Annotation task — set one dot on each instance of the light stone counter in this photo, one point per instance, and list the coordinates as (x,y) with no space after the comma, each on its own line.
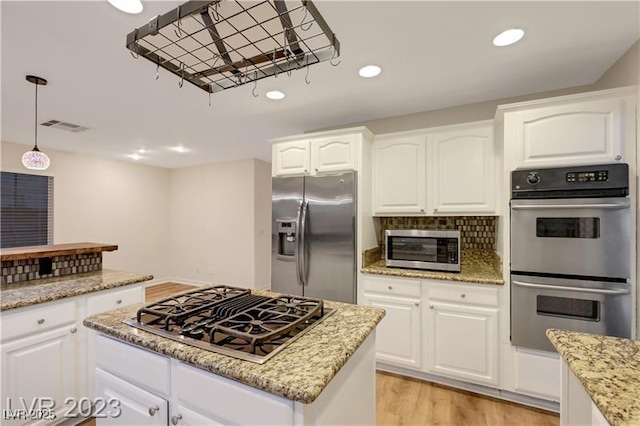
(609,370)
(300,372)
(29,293)
(477,266)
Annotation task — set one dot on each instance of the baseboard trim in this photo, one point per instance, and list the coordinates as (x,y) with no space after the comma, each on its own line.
(542,404)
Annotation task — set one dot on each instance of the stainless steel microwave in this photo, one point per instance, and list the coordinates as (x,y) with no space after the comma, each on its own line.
(420,249)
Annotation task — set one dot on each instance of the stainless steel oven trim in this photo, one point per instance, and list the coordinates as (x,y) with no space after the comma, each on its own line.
(567,288)
(448,267)
(612,206)
(422,233)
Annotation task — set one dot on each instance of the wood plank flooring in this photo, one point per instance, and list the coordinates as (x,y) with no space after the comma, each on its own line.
(405,401)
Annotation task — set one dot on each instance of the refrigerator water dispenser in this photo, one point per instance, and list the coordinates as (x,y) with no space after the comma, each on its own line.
(286,237)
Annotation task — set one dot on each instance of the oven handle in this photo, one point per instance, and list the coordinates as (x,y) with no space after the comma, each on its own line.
(576,289)
(609,206)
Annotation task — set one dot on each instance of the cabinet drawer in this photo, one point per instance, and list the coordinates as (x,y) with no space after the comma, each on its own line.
(392,286)
(37,318)
(142,367)
(113,299)
(467,294)
(217,397)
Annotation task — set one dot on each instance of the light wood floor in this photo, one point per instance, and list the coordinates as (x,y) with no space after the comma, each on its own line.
(405,401)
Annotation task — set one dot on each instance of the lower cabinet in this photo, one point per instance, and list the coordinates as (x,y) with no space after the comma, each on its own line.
(462,342)
(437,327)
(399,333)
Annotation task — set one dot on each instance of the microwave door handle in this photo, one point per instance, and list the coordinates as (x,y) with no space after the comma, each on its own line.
(298,250)
(302,255)
(608,206)
(576,289)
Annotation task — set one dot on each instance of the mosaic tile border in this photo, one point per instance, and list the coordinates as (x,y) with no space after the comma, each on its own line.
(15,271)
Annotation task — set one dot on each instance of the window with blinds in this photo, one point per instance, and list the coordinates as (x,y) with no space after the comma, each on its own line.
(26,215)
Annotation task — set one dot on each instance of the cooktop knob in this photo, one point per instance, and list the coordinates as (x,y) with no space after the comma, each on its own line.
(533,178)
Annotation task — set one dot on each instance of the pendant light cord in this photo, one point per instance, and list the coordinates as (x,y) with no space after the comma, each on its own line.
(36,115)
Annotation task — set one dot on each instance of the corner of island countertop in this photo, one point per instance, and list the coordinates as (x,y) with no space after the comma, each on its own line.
(609,370)
(299,373)
(19,295)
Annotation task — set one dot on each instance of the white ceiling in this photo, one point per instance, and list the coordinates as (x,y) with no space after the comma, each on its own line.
(433,54)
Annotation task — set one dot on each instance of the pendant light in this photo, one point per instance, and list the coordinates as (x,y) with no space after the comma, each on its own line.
(36,159)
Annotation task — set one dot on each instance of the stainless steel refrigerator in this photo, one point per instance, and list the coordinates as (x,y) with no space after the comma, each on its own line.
(313,236)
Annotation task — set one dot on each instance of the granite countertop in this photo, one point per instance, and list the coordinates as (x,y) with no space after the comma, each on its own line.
(36,252)
(29,293)
(477,266)
(299,373)
(609,370)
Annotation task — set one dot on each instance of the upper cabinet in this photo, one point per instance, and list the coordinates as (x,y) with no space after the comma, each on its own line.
(444,170)
(572,130)
(327,152)
(399,175)
(462,170)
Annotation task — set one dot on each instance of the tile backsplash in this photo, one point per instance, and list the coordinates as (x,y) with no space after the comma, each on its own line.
(476,232)
(14,271)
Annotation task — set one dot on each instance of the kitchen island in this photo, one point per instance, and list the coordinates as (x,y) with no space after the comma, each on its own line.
(325,376)
(600,378)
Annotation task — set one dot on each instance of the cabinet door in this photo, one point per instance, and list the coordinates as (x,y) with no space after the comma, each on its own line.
(398,336)
(40,366)
(127,404)
(334,154)
(573,134)
(462,342)
(399,176)
(291,158)
(182,416)
(462,170)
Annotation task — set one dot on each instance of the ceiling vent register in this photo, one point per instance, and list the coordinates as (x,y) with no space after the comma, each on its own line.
(218,45)
(63,125)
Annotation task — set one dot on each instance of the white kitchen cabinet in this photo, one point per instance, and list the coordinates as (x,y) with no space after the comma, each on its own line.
(461,340)
(291,158)
(127,404)
(41,365)
(399,334)
(576,130)
(399,175)
(334,154)
(461,165)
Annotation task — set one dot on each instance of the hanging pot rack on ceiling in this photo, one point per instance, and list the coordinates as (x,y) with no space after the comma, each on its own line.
(217,45)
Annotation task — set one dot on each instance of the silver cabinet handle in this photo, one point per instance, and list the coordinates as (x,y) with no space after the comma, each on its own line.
(73,330)
(431,306)
(119,301)
(417,303)
(463,295)
(153,410)
(609,206)
(316,169)
(567,288)
(176,419)
(306,170)
(618,157)
(390,287)
(41,321)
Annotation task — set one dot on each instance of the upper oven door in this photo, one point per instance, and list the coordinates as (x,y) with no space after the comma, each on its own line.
(580,236)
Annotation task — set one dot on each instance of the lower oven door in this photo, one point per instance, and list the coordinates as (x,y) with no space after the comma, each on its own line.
(540,303)
(582,236)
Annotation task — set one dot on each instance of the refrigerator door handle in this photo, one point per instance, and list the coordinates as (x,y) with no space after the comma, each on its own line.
(298,249)
(302,255)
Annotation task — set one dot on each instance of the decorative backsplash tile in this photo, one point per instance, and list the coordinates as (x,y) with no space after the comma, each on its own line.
(14,271)
(370,256)
(476,232)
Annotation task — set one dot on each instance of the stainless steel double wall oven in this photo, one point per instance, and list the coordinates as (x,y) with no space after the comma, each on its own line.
(570,252)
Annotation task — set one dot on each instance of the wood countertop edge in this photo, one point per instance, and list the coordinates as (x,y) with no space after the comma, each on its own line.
(37,252)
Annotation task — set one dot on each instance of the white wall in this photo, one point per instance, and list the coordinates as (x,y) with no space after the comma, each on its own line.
(106,201)
(213,235)
(625,72)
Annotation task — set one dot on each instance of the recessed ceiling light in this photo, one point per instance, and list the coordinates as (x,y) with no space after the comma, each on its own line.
(181,149)
(142,151)
(508,37)
(370,71)
(134,156)
(276,95)
(127,6)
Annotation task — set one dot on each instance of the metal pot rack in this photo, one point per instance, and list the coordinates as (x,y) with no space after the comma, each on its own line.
(221,44)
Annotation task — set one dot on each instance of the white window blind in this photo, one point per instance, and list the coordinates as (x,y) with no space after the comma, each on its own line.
(26,215)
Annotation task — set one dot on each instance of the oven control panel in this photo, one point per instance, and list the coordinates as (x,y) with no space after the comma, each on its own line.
(599,176)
